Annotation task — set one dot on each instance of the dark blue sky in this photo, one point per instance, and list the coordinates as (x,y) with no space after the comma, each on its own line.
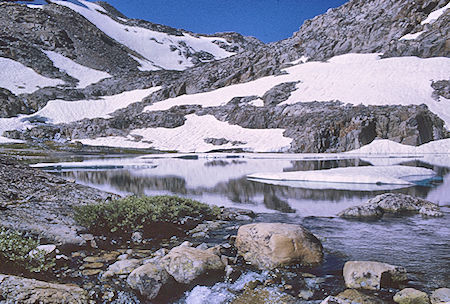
(267,20)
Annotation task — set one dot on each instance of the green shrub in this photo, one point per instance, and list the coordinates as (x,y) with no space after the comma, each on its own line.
(14,252)
(135,213)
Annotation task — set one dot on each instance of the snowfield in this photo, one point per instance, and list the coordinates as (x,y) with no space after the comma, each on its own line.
(352,78)
(61,111)
(85,75)
(161,50)
(20,79)
(389,175)
(191,137)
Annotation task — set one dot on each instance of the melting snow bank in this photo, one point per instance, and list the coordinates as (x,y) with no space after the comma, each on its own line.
(350,78)
(97,164)
(20,79)
(385,146)
(200,134)
(378,175)
(85,75)
(61,111)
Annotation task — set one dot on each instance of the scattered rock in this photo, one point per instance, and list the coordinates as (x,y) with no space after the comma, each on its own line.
(372,275)
(392,203)
(91,272)
(148,280)
(186,264)
(411,296)
(270,245)
(441,295)
(15,289)
(334,300)
(93,265)
(49,250)
(263,295)
(230,214)
(355,296)
(306,294)
(137,237)
(121,267)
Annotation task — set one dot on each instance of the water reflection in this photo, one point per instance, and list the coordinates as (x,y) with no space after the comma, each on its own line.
(223,182)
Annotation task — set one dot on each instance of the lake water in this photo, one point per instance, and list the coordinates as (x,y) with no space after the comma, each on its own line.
(419,244)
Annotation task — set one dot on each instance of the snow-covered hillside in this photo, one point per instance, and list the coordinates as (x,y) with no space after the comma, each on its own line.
(159,50)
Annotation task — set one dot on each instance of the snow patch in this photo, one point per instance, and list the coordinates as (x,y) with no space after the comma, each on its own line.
(435,15)
(61,111)
(163,50)
(191,136)
(20,79)
(85,75)
(385,146)
(412,36)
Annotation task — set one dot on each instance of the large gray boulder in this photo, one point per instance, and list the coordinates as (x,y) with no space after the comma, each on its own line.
(148,280)
(15,289)
(392,203)
(372,275)
(185,264)
(271,245)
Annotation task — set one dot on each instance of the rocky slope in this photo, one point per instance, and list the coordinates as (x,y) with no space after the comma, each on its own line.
(237,80)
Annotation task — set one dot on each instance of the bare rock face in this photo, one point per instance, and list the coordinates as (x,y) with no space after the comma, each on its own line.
(185,264)
(411,296)
(148,280)
(15,289)
(392,203)
(271,245)
(372,275)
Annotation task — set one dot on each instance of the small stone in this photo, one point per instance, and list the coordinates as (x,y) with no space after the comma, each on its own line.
(252,284)
(306,294)
(186,243)
(287,287)
(93,265)
(372,275)
(202,246)
(91,272)
(411,296)
(137,237)
(122,257)
(121,268)
(93,259)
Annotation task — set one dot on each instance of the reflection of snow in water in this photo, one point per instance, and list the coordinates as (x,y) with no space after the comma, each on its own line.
(220,179)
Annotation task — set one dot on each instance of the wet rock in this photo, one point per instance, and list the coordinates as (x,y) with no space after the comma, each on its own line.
(270,245)
(185,264)
(121,267)
(411,296)
(305,294)
(334,300)
(392,203)
(148,280)
(93,265)
(441,295)
(355,296)
(372,275)
(15,289)
(263,295)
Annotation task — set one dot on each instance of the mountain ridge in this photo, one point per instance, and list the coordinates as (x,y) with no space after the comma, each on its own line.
(254,70)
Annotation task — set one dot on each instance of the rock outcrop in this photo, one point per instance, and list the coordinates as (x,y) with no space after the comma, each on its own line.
(15,289)
(42,203)
(271,245)
(372,275)
(392,203)
(441,295)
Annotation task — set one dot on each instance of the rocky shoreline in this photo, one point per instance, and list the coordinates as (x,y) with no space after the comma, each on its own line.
(139,269)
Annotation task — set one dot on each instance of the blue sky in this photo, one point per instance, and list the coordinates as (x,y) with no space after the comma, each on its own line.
(267,20)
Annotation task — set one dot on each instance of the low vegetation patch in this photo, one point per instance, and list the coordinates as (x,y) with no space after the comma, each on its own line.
(133,213)
(15,249)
